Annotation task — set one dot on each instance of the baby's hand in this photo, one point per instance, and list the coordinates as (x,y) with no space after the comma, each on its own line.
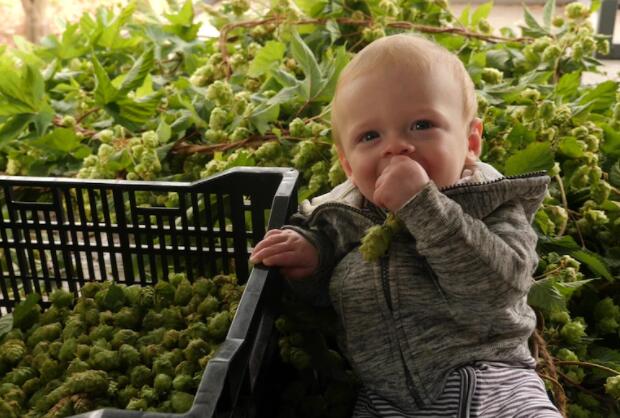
(289,250)
(399,182)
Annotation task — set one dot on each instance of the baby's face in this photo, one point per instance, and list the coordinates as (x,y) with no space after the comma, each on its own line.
(394,112)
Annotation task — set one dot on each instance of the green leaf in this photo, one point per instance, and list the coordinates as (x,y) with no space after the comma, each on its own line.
(105,92)
(545,296)
(568,84)
(530,21)
(464,17)
(163,131)
(611,144)
(289,94)
(184,17)
(312,8)
(334,67)
(284,78)
(132,114)
(594,263)
(600,98)
(264,115)
(119,160)
(6,324)
(27,312)
(267,57)
(17,95)
(13,127)
(111,35)
(135,77)
(566,289)
(537,156)
(519,136)
(595,5)
(570,147)
(308,63)
(614,174)
(334,30)
(60,139)
(481,12)
(548,13)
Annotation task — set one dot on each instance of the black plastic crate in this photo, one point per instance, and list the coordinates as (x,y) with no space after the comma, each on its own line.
(59,232)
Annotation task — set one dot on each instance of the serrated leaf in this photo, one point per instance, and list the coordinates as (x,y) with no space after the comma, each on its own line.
(6,324)
(548,13)
(16,97)
(14,126)
(611,144)
(284,78)
(568,84)
(119,160)
(312,8)
(600,98)
(288,94)
(570,147)
(594,263)
(132,114)
(563,245)
(184,17)
(614,174)
(164,133)
(530,20)
(464,17)
(481,12)
(27,312)
(264,115)
(545,296)
(566,289)
(536,156)
(334,67)
(60,139)
(141,68)
(268,56)
(334,30)
(111,36)
(105,92)
(308,63)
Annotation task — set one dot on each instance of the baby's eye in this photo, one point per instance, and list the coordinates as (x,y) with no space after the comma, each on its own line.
(420,125)
(369,136)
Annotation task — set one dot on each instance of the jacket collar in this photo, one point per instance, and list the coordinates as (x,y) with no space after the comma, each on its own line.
(480,191)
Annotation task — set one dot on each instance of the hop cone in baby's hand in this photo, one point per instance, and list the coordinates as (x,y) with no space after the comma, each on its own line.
(378,238)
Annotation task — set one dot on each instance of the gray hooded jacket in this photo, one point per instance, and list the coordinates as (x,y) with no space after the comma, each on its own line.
(451,290)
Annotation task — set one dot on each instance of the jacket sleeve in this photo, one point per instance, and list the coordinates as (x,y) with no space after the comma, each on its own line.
(315,288)
(490,259)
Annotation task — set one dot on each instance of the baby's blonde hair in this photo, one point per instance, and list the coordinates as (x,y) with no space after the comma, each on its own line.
(412,52)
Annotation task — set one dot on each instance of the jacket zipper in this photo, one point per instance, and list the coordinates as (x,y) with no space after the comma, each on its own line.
(388,299)
(497,180)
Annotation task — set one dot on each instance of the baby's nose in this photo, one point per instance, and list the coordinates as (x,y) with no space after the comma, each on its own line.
(398,146)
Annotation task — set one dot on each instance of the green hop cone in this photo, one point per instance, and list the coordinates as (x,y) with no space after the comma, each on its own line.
(492,75)
(377,239)
(576,11)
(612,386)
(375,243)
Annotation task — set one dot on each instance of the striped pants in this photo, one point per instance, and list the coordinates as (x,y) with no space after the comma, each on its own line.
(483,390)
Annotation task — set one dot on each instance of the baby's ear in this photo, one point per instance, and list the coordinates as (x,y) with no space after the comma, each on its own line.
(474,141)
(344,163)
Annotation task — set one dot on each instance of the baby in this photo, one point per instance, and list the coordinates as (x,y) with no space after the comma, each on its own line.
(439,326)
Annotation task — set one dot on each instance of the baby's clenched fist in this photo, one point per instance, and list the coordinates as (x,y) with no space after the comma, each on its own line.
(399,182)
